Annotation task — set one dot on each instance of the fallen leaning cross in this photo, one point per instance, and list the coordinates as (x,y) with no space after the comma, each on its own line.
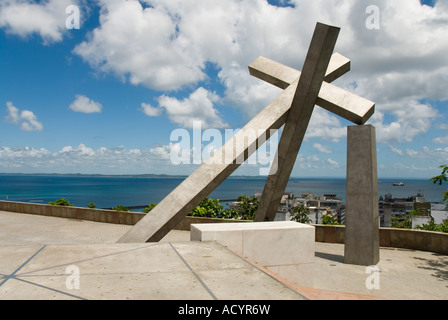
(292,108)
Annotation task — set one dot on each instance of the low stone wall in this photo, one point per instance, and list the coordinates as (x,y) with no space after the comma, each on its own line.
(391,237)
(96,215)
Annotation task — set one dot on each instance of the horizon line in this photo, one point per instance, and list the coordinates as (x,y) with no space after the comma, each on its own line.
(184,176)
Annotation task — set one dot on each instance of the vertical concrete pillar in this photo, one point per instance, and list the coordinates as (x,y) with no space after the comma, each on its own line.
(362,214)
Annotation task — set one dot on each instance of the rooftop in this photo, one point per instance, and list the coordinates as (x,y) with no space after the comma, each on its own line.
(39,254)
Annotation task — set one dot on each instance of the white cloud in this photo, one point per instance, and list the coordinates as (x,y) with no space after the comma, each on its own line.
(165,45)
(333,162)
(441,140)
(80,151)
(86,159)
(400,167)
(199,106)
(85,105)
(396,150)
(142,43)
(26,119)
(24,18)
(321,148)
(434,154)
(412,119)
(325,125)
(442,126)
(151,111)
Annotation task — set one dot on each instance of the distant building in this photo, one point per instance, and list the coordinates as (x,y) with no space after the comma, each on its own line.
(439,212)
(398,207)
(328,204)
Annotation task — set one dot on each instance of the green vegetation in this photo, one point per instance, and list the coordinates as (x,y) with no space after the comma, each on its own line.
(208,208)
(439,179)
(247,206)
(431,226)
(149,208)
(329,220)
(300,214)
(211,208)
(91,205)
(61,202)
(120,208)
(404,221)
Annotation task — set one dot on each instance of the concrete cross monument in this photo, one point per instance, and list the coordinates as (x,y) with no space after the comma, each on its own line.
(293,108)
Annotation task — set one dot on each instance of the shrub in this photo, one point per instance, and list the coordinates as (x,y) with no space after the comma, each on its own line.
(300,214)
(440,179)
(211,208)
(121,208)
(247,207)
(91,205)
(61,202)
(208,208)
(149,208)
(432,226)
(329,220)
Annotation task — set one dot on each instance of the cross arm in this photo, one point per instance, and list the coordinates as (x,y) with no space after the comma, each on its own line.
(282,76)
(334,99)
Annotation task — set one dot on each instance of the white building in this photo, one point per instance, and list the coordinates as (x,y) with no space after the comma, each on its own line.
(328,204)
(439,212)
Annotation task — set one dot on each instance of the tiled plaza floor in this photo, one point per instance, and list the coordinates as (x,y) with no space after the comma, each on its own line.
(41,258)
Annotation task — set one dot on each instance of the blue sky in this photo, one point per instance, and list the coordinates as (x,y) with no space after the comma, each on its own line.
(106,97)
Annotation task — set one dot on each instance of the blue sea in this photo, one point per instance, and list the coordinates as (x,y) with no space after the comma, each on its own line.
(109,191)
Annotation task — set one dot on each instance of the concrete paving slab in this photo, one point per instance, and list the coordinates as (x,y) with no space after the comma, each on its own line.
(29,229)
(34,266)
(154,271)
(402,274)
(14,289)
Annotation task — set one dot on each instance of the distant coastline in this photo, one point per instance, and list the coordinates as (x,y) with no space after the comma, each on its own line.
(168,176)
(106,191)
(95,175)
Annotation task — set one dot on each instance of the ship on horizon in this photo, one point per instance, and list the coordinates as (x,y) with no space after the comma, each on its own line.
(398,184)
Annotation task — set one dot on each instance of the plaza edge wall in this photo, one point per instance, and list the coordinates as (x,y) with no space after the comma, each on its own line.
(389,237)
(436,242)
(96,215)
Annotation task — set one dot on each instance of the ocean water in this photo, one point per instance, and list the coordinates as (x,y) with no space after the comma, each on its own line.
(107,192)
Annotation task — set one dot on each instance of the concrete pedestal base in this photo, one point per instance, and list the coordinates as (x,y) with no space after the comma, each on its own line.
(286,248)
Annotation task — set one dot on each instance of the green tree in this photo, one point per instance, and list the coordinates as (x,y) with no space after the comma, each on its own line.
(432,226)
(440,179)
(247,207)
(121,208)
(329,220)
(230,214)
(149,208)
(404,221)
(300,214)
(210,208)
(91,205)
(61,202)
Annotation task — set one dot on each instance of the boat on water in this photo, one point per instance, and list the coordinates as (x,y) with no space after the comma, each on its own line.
(398,184)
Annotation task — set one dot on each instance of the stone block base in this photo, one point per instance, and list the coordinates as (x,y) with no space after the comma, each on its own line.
(285,248)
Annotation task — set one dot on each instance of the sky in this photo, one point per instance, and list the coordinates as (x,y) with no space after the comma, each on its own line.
(106,92)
